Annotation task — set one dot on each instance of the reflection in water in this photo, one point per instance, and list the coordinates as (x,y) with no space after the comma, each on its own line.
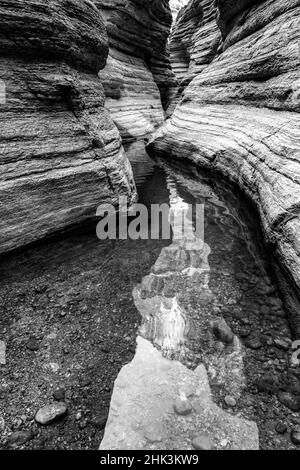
(142,408)
(182,263)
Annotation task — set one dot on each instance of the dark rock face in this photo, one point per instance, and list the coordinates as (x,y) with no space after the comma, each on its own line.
(137,78)
(60,153)
(240,113)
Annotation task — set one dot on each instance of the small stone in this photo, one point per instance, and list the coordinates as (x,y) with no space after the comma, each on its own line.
(182,406)
(19,438)
(245,332)
(253,343)
(202,443)
(275,302)
(50,413)
(295,436)
(230,401)
(86,383)
(283,343)
(290,401)
(219,346)
(222,331)
(83,424)
(281,428)
(2,353)
(100,422)
(59,394)
(267,383)
(33,344)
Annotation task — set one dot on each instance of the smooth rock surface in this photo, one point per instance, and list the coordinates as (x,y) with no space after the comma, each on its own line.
(202,443)
(142,415)
(50,413)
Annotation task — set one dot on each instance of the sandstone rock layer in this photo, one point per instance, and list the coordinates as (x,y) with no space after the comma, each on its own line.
(60,153)
(240,113)
(138,80)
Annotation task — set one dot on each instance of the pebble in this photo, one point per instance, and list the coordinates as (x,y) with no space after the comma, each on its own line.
(245,332)
(222,331)
(182,406)
(283,343)
(59,394)
(253,343)
(295,436)
(267,383)
(230,401)
(281,428)
(33,344)
(19,438)
(202,443)
(290,401)
(50,413)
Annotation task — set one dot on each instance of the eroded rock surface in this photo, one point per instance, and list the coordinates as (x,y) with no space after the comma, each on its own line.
(60,153)
(195,39)
(138,79)
(240,113)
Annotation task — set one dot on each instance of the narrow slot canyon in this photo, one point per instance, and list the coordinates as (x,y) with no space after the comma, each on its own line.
(149,341)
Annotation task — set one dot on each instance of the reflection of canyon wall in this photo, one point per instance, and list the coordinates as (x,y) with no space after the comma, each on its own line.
(137,78)
(155,400)
(61,154)
(240,113)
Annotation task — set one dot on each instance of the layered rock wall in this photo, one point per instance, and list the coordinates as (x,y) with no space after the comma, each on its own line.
(60,153)
(195,39)
(240,113)
(138,79)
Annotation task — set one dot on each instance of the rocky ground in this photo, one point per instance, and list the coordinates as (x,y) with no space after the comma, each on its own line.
(69,324)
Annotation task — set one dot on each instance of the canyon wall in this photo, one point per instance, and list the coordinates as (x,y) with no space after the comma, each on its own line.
(60,153)
(239,113)
(138,79)
(194,40)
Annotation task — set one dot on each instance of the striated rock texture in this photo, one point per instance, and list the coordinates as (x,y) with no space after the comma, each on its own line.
(60,153)
(138,79)
(195,39)
(240,113)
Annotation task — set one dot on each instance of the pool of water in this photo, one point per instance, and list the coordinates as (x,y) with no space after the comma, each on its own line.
(83,302)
